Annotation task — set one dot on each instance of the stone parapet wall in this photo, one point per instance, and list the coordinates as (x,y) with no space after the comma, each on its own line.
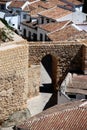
(13,79)
(67,54)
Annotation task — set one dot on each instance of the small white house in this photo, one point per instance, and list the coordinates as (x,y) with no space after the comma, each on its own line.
(29,30)
(17,14)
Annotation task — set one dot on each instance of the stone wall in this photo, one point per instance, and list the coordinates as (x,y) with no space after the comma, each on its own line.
(33,80)
(13,79)
(67,54)
(85,59)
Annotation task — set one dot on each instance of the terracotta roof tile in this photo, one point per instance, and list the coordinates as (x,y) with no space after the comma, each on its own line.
(63,34)
(55,13)
(36,11)
(17,4)
(75,2)
(70,116)
(50,27)
(28,8)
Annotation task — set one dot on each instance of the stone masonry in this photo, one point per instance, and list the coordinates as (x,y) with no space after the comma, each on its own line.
(68,55)
(13,79)
(20,70)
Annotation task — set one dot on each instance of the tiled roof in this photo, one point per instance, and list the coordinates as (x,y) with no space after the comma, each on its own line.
(75,2)
(55,13)
(17,4)
(47,4)
(80,36)
(63,34)
(70,116)
(50,27)
(78,85)
(28,8)
(36,11)
(32,0)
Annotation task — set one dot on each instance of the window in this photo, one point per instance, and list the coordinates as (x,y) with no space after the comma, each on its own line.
(46,38)
(24,32)
(86,18)
(41,37)
(29,35)
(24,16)
(72,96)
(47,20)
(42,20)
(85,96)
(18,26)
(3,7)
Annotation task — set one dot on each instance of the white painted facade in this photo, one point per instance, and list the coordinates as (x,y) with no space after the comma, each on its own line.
(76,17)
(29,31)
(83,27)
(7,4)
(78,8)
(43,32)
(2,15)
(13,21)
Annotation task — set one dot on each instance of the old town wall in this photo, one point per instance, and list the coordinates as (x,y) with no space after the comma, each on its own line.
(13,79)
(68,56)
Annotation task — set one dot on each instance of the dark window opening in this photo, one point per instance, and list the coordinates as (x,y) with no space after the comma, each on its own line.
(3,7)
(72,96)
(24,16)
(42,20)
(29,35)
(41,37)
(24,33)
(85,96)
(47,20)
(34,37)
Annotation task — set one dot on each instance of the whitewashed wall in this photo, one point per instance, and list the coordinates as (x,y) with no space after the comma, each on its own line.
(12,21)
(76,17)
(43,32)
(28,29)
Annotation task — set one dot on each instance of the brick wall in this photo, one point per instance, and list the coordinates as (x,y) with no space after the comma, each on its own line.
(13,79)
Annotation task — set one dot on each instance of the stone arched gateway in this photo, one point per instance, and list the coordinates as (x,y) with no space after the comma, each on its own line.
(48,74)
(67,54)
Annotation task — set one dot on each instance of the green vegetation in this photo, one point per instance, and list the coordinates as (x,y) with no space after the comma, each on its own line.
(5,22)
(6,34)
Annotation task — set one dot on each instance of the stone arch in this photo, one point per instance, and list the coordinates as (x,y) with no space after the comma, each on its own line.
(49,70)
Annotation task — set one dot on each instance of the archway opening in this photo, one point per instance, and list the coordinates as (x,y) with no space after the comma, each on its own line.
(48,73)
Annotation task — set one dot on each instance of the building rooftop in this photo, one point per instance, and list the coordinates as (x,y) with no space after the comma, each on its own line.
(75,2)
(78,84)
(69,116)
(17,4)
(50,27)
(46,4)
(28,8)
(55,13)
(35,12)
(63,34)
